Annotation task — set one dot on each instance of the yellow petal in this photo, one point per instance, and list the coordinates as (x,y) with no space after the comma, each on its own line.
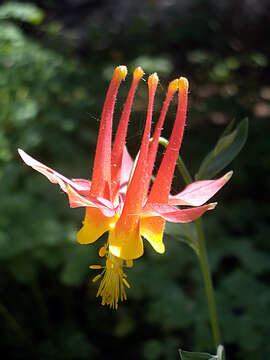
(95,224)
(126,245)
(152,228)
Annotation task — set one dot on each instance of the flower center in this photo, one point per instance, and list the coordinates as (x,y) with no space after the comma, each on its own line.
(113,279)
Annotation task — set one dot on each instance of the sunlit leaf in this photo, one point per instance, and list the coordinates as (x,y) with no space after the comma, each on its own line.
(226,149)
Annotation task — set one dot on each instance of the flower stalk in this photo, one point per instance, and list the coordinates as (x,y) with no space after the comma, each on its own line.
(201,252)
(208,283)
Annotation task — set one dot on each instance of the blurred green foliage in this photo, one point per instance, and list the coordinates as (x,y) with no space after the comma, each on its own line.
(55,62)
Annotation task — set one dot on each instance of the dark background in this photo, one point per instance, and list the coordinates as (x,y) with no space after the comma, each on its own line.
(56,59)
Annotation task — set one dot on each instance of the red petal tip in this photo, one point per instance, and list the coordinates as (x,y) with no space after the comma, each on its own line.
(138,73)
(173,86)
(153,81)
(120,72)
(183,84)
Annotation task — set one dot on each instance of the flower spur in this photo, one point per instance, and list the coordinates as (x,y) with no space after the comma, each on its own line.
(119,198)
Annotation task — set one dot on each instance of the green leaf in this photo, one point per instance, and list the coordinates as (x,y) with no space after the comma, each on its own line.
(228,128)
(226,149)
(23,12)
(187,355)
(224,143)
(183,232)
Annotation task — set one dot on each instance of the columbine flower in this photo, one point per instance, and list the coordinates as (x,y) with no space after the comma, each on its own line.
(118,199)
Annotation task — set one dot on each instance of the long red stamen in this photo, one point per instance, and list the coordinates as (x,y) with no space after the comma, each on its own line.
(165,173)
(101,178)
(120,136)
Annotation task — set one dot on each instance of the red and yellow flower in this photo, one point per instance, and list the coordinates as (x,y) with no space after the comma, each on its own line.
(119,199)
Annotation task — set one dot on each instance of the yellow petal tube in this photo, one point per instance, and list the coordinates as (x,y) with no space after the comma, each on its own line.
(152,228)
(126,244)
(95,224)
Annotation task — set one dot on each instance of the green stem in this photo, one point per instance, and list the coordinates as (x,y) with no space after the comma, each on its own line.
(202,255)
(208,284)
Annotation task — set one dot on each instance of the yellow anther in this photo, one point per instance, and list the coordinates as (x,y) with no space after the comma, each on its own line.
(109,264)
(102,251)
(120,72)
(173,86)
(125,282)
(129,263)
(153,81)
(95,267)
(96,277)
(138,73)
(183,84)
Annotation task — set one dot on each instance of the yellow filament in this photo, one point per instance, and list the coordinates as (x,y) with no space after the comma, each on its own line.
(111,287)
(109,264)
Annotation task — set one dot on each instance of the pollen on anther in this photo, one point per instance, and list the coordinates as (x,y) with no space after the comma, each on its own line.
(102,251)
(96,277)
(95,267)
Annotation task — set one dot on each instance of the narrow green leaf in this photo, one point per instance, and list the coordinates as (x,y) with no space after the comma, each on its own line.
(224,142)
(226,149)
(228,128)
(187,355)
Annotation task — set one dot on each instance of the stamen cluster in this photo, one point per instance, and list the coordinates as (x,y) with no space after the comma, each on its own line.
(113,282)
